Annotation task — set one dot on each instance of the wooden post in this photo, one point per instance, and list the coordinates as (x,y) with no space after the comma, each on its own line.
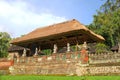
(77,47)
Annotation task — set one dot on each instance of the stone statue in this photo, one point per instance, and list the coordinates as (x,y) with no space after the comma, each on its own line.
(78,47)
(84,45)
(84,54)
(68,47)
(36,52)
(55,48)
(24,53)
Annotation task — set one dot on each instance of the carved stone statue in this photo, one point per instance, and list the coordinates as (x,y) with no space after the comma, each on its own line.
(68,47)
(55,48)
(84,45)
(84,54)
(24,53)
(36,52)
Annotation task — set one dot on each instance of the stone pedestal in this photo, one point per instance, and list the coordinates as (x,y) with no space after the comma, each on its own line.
(84,54)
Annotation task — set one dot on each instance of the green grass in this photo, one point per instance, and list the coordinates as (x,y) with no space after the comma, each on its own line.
(32,77)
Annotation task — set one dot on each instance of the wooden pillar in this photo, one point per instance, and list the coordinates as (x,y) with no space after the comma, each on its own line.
(39,50)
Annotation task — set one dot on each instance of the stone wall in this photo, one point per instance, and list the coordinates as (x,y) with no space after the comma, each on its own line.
(76,56)
(102,70)
(11,55)
(60,64)
(104,58)
(60,68)
(4,72)
(5,63)
(4,66)
(64,68)
(68,64)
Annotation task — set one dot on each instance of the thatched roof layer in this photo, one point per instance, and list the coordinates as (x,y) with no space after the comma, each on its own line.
(16,48)
(57,29)
(114,48)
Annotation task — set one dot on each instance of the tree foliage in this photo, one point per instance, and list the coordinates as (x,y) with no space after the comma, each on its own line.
(4,43)
(106,22)
(101,48)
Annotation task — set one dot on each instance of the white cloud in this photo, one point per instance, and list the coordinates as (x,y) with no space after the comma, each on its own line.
(20,18)
(5,29)
(1,28)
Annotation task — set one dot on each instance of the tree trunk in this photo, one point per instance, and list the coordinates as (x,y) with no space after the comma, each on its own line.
(112,41)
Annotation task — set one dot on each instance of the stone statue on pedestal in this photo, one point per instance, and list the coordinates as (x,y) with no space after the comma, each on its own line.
(36,52)
(84,54)
(24,53)
(55,48)
(68,47)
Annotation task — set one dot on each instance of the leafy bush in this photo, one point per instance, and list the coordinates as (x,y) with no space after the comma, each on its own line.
(100,48)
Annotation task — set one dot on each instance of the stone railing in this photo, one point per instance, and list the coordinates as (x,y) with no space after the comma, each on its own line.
(73,56)
(60,64)
(67,64)
(104,58)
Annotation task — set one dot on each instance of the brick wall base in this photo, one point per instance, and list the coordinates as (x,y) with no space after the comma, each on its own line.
(63,68)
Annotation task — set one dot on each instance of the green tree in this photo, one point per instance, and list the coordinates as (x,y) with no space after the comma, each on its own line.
(101,48)
(4,44)
(106,22)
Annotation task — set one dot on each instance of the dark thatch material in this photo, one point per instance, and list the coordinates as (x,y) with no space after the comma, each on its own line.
(115,48)
(16,48)
(64,50)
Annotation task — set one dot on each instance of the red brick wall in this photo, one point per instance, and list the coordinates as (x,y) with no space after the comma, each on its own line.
(5,64)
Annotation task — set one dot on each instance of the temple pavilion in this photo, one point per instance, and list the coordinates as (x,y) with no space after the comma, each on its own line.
(57,36)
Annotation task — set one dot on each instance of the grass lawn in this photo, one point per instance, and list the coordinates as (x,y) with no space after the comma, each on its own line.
(32,77)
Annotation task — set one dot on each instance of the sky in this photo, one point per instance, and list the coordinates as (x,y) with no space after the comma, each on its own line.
(19,17)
